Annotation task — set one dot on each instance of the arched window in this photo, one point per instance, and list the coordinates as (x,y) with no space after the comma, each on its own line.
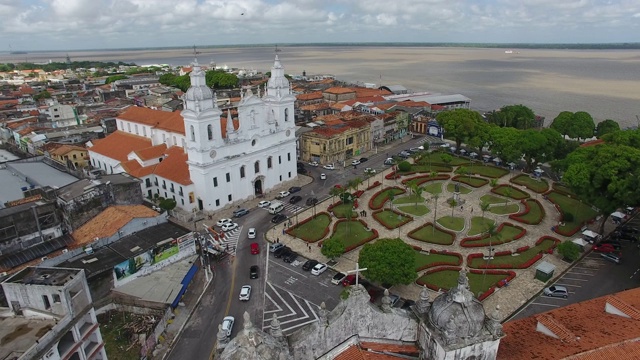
(242,172)
(193,133)
(256,167)
(286,114)
(210,132)
(269,162)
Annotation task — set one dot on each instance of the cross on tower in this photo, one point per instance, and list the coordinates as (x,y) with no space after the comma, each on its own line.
(277,50)
(357,271)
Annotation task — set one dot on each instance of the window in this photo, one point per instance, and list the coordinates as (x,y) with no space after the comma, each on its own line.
(182,201)
(279,159)
(217,202)
(286,114)
(193,133)
(229,197)
(164,137)
(128,127)
(280,177)
(269,162)
(144,131)
(256,167)
(45,300)
(136,129)
(228,177)
(74,156)
(56,298)
(289,174)
(121,125)
(209,132)
(288,156)
(242,172)
(215,182)
(175,142)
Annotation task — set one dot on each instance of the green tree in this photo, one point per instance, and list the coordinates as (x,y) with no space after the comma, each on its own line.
(484,206)
(404,166)
(114,78)
(505,143)
(492,232)
(459,124)
(515,116)
(44,94)
(581,125)
(435,210)
(453,203)
(219,79)
(167,204)
(539,145)
(389,262)
(332,248)
(334,191)
(446,158)
(606,127)
(569,250)
(481,137)
(561,122)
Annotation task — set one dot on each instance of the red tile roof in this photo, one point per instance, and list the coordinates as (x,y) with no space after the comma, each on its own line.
(582,328)
(153,152)
(353,352)
(170,121)
(316,95)
(108,222)
(592,143)
(411,103)
(623,351)
(65,149)
(378,351)
(119,144)
(360,92)
(315,107)
(174,167)
(339,90)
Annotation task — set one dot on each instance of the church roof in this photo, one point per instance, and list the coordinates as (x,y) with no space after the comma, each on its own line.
(602,328)
(174,167)
(165,120)
(119,144)
(151,152)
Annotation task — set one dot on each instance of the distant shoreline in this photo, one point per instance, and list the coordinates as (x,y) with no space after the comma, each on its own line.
(563,46)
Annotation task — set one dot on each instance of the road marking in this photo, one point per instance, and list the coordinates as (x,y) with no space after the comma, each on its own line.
(291,312)
(290,281)
(566,278)
(286,267)
(551,305)
(568,285)
(579,273)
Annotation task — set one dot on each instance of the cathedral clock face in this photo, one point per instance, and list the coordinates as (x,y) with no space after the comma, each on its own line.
(212,154)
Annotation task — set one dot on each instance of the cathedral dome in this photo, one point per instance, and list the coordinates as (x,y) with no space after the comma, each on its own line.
(199,93)
(280,82)
(457,313)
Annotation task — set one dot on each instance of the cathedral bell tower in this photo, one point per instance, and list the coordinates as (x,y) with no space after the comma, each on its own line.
(201,119)
(280,98)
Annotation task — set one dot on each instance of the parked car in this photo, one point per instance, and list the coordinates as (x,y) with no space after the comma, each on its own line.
(294,189)
(295,199)
(369,171)
(363,159)
(309,264)
(349,280)
(302,171)
(389,161)
(329,167)
(556,291)
(611,257)
(616,245)
(355,162)
(229,226)
(264,204)
(283,194)
(314,163)
(279,218)
(275,246)
(403,155)
(251,234)
(323,176)
(319,269)
(291,257)
(604,248)
(253,272)
(624,236)
(227,325)
(281,252)
(311,201)
(628,230)
(337,278)
(223,221)
(240,213)
(414,150)
(245,293)
(255,248)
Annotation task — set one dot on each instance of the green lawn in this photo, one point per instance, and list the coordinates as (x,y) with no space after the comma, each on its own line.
(419,210)
(476,182)
(479,225)
(446,279)
(342,211)
(491,199)
(433,235)
(513,193)
(487,170)
(424,259)
(391,219)
(504,209)
(463,189)
(537,185)
(425,168)
(436,157)
(408,199)
(514,261)
(313,230)
(564,188)
(383,196)
(433,188)
(508,233)
(351,233)
(452,223)
(581,211)
(534,216)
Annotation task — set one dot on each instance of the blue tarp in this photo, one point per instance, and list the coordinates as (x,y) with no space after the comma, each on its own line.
(185,284)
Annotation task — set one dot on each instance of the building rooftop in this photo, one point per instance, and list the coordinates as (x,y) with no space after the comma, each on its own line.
(119,145)
(18,334)
(43,276)
(108,222)
(73,190)
(170,121)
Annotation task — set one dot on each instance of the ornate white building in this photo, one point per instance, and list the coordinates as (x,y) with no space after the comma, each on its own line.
(202,157)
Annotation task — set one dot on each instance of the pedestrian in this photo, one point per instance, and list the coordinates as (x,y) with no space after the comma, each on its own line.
(282,231)
(472,210)
(461,208)
(277,240)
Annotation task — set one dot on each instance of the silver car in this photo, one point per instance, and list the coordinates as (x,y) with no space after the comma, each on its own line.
(556,291)
(227,325)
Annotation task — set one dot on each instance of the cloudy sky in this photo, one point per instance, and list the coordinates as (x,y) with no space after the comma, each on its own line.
(100,24)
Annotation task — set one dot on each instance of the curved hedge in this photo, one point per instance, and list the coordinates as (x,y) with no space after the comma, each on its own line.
(539,186)
(508,277)
(531,254)
(374,185)
(516,193)
(528,205)
(419,180)
(405,218)
(479,241)
(396,190)
(434,253)
(414,234)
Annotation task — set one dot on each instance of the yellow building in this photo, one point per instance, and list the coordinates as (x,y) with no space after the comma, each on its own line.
(70,156)
(337,143)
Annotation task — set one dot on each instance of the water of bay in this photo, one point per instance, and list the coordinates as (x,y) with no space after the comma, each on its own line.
(605,83)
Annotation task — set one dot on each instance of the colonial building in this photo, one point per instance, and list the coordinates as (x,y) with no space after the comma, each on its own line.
(336,143)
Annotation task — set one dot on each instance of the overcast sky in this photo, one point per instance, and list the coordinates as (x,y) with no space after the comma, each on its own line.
(99,24)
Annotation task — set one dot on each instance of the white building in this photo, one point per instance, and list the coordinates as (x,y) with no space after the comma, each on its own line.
(61,115)
(50,316)
(202,158)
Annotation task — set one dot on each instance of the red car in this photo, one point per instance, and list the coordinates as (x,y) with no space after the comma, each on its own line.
(349,280)
(604,248)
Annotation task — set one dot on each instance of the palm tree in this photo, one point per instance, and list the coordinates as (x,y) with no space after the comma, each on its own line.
(484,206)
(391,197)
(369,173)
(435,210)
(453,204)
(333,192)
(492,231)
(507,194)
(433,174)
(493,182)
(418,190)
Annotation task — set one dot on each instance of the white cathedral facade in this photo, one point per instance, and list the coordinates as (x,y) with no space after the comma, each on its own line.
(203,158)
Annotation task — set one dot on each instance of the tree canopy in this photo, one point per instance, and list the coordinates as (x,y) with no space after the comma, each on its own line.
(577,125)
(332,248)
(538,145)
(515,116)
(389,261)
(113,78)
(216,79)
(459,124)
(606,127)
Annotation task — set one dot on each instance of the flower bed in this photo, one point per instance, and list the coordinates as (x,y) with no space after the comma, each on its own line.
(536,185)
(563,202)
(516,193)
(389,218)
(308,231)
(485,170)
(378,199)
(532,214)
(505,259)
(392,175)
(419,180)
(446,278)
(483,240)
(435,258)
(354,238)
(429,234)
(374,185)
(472,181)
(358,193)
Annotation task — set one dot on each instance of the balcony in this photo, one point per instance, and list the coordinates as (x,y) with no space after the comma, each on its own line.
(172,190)
(164,186)
(180,193)
(155,183)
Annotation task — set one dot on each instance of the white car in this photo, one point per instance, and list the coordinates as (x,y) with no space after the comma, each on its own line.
(264,204)
(369,171)
(355,162)
(314,163)
(229,226)
(283,194)
(323,176)
(227,324)
(252,233)
(319,269)
(223,221)
(329,167)
(245,293)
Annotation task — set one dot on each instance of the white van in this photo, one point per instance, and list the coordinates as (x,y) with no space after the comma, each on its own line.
(276,207)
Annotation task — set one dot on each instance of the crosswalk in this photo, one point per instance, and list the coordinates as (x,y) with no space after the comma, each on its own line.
(230,240)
